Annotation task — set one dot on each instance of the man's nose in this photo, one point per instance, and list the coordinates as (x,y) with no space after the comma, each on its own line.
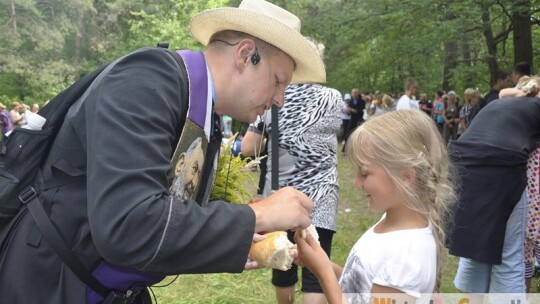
(279,100)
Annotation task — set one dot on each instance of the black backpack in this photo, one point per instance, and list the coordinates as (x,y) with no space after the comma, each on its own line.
(21,155)
(24,150)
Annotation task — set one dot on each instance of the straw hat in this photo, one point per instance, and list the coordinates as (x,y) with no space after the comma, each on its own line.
(267,22)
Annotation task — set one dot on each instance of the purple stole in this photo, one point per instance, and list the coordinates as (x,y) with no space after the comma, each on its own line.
(194,139)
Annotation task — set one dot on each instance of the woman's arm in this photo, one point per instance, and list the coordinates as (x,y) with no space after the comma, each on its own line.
(511,92)
(251,143)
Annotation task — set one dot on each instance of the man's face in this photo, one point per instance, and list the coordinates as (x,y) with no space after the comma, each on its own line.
(503,83)
(515,77)
(264,85)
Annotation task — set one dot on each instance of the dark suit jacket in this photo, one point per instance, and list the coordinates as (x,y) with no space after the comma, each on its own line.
(491,158)
(121,134)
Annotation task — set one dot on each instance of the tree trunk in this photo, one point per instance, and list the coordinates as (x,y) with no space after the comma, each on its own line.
(78,39)
(450,52)
(466,54)
(522,33)
(450,63)
(490,42)
(22,87)
(12,17)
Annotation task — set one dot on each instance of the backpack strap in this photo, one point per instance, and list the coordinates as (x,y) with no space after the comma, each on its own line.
(29,197)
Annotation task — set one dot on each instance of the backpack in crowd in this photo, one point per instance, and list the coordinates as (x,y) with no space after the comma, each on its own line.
(24,150)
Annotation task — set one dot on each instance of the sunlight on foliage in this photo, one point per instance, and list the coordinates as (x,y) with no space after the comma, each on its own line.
(232,179)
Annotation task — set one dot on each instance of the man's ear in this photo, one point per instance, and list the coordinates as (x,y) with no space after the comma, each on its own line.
(409,176)
(243,52)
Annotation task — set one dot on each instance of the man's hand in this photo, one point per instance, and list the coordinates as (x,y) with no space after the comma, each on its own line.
(285,209)
(251,264)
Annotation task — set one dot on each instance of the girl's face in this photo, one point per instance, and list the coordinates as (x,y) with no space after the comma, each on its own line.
(380,191)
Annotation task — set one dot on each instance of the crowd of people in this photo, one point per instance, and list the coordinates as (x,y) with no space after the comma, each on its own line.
(451,112)
(133,163)
(16,117)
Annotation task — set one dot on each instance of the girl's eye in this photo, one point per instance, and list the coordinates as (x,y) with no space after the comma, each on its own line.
(363,172)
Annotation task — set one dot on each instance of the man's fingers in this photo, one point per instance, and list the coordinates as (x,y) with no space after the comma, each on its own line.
(258,237)
(250,265)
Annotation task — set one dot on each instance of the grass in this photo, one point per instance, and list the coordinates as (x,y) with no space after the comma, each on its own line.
(255,287)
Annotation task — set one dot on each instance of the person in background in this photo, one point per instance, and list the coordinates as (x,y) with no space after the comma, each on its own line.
(530,86)
(5,120)
(367,98)
(389,104)
(488,230)
(345,116)
(470,108)
(402,255)
(406,101)
(437,110)
(425,104)
(499,82)
(519,70)
(15,115)
(35,108)
(377,107)
(356,108)
(451,112)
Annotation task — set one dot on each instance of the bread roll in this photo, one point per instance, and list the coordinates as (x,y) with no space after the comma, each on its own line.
(273,251)
(311,230)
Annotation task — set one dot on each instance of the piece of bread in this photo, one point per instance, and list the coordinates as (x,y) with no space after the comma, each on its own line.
(273,251)
(311,230)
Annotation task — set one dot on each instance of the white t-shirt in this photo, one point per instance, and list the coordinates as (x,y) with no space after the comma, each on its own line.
(405,103)
(405,260)
(344,106)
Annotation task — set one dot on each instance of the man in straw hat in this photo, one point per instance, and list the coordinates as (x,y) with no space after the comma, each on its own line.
(118,214)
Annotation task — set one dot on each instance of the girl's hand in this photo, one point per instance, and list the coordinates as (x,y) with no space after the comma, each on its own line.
(311,255)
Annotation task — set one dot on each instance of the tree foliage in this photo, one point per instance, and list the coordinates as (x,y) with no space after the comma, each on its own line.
(370,44)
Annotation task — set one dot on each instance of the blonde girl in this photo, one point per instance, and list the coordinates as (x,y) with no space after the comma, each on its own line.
(404,173)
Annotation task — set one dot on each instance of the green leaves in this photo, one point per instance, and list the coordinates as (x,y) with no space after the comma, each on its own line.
(233,182)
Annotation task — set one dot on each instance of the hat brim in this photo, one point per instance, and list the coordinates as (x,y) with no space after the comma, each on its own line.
(309,65)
